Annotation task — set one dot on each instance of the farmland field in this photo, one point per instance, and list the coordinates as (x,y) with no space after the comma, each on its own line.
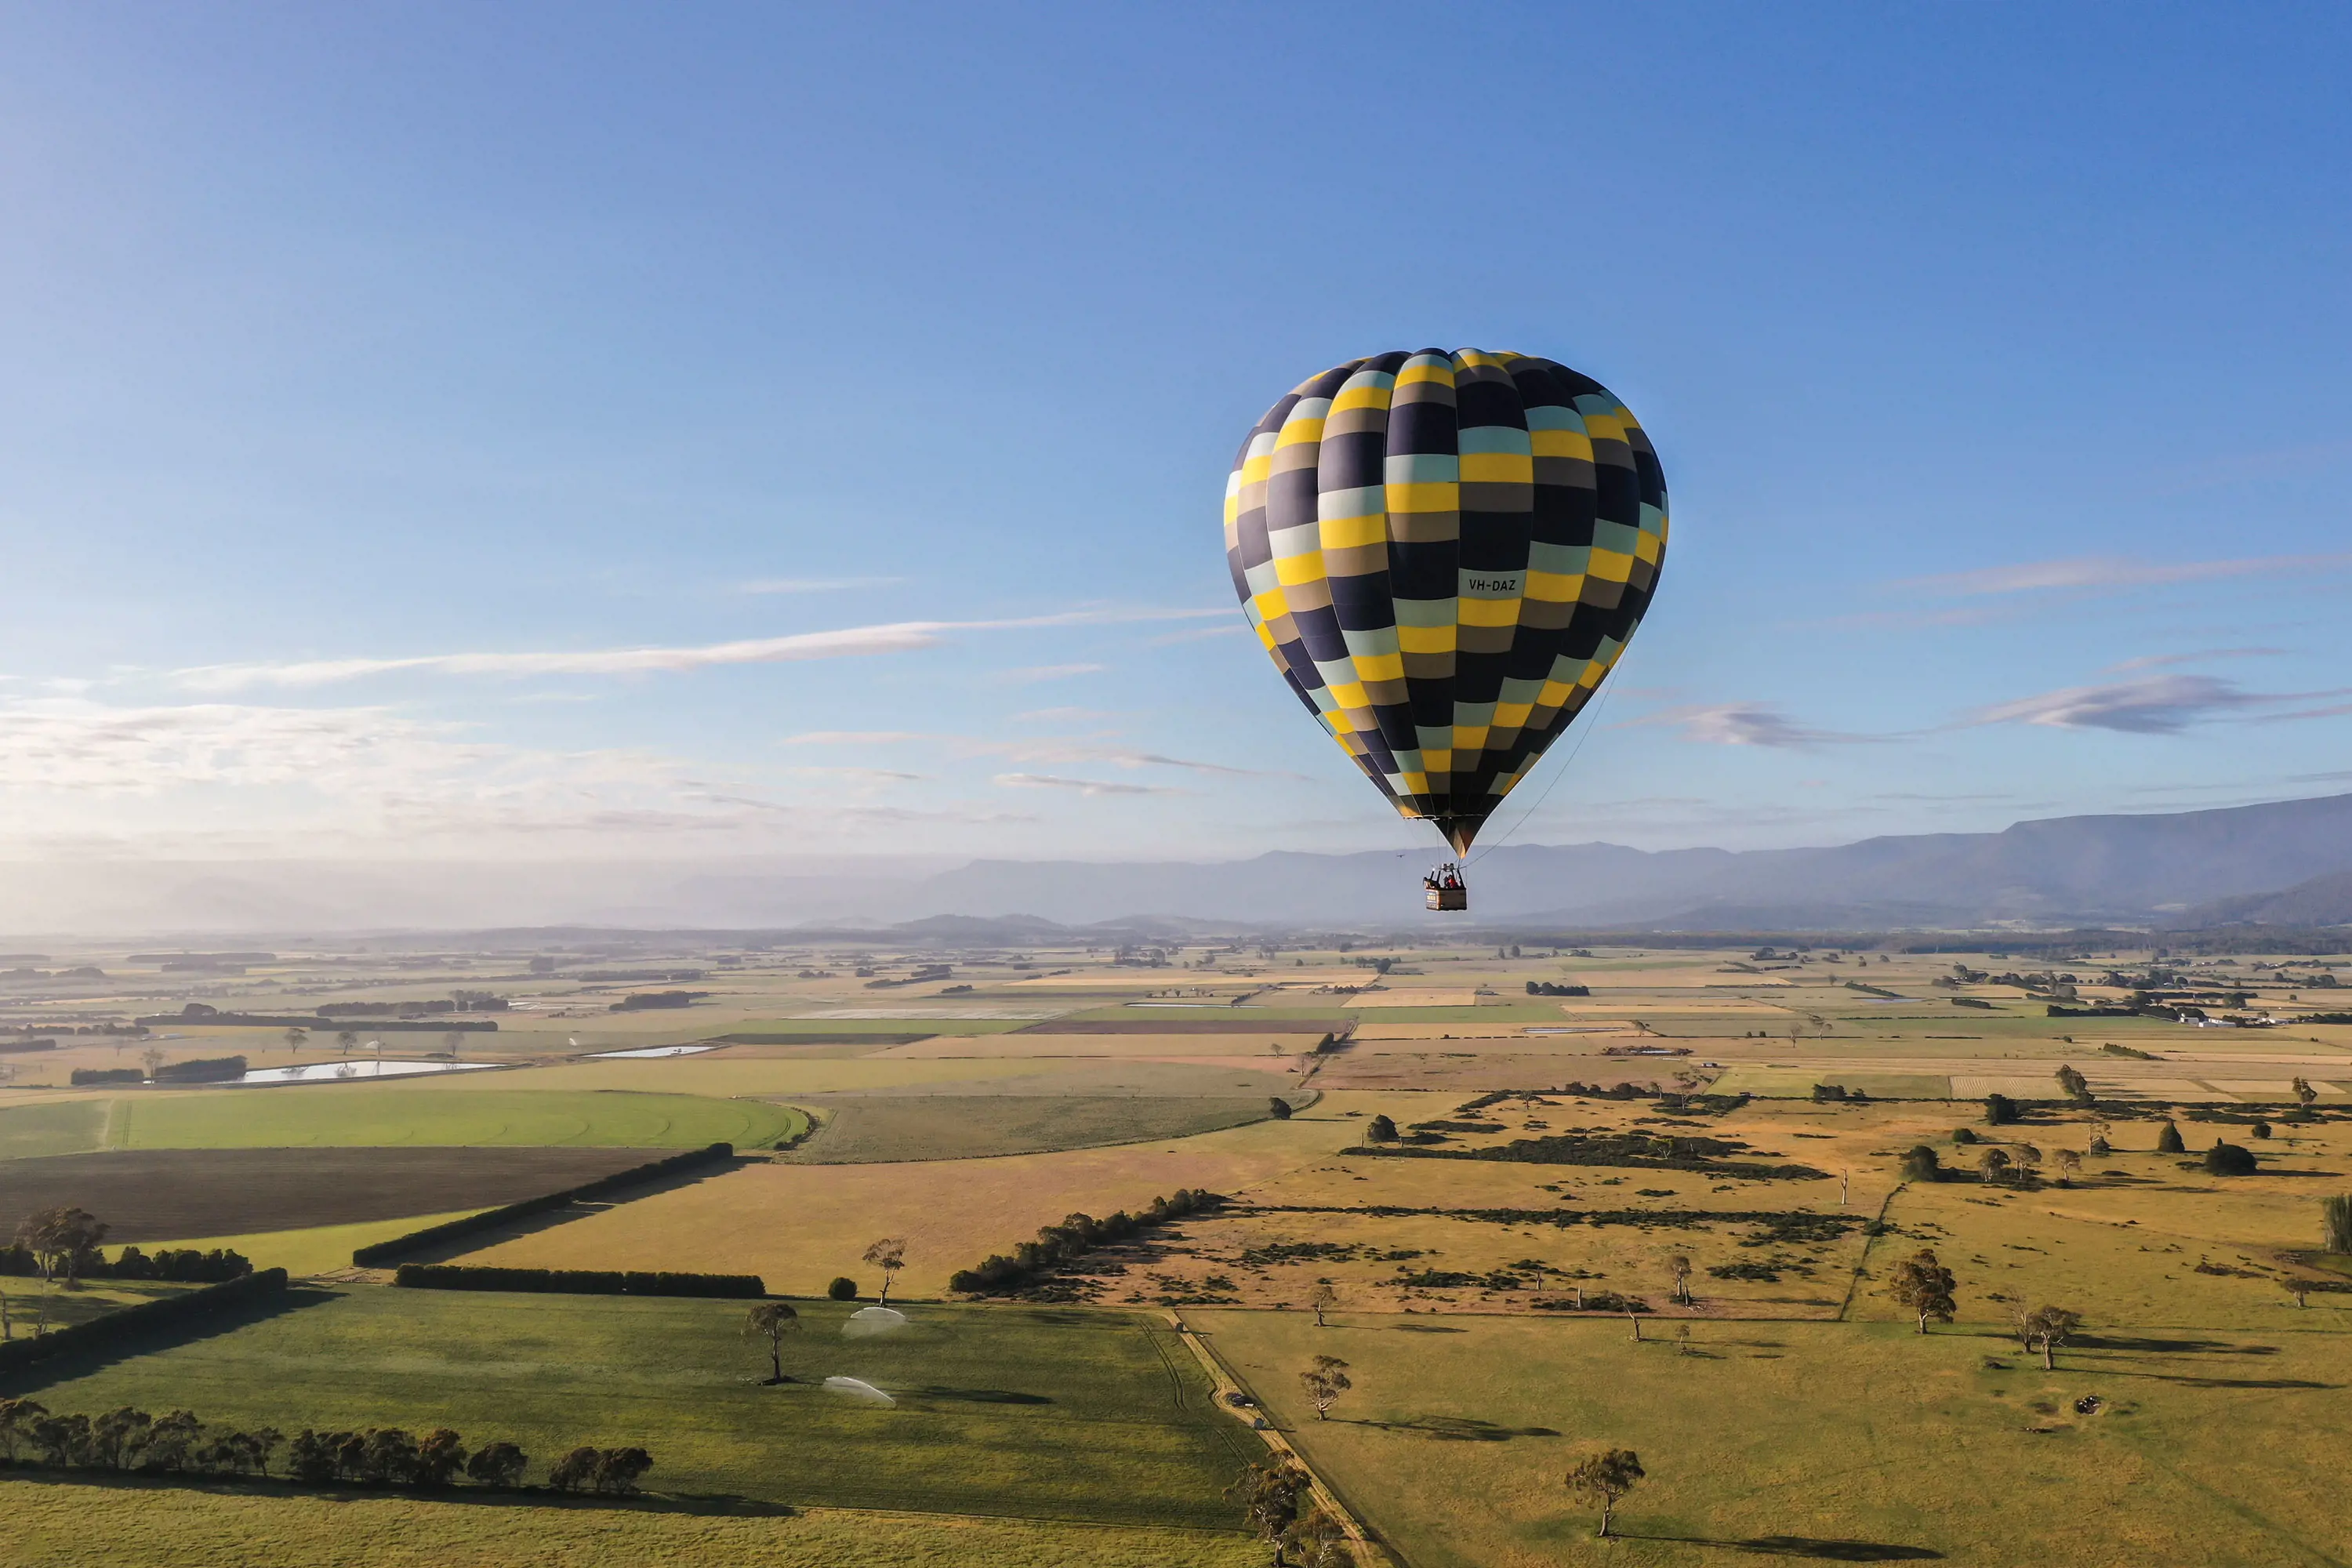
(957,1127)
(364,1115)
(797,1226)
(1082,1416)
(1822,1441)
(158,1195)
(53,1521)
(62,1127)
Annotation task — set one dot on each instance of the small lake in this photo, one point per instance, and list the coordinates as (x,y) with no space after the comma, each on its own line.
(350,1071)
(652,1051)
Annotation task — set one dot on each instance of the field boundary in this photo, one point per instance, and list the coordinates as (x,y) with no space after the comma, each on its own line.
(100,1331)
(1376,1549)
(382,1252)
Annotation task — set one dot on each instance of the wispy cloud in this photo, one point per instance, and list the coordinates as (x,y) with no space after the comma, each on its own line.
(852,737)
(1061,716)
(1029,675)
(900,636)
(1199,634)
(2110,573)
(813,584)
(2154,705)
(1748,724)
(2202,656)
(1083,786)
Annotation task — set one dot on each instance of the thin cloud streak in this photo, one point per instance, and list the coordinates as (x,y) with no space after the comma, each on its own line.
(1748,724)
(1083,786)
(2112,574)
(2154,705)
(900,636)
(814,584)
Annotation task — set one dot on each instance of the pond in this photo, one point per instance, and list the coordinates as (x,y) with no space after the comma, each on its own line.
(653,1051)
(349,1070)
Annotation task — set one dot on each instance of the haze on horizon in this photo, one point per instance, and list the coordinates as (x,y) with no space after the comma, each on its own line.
(528,436)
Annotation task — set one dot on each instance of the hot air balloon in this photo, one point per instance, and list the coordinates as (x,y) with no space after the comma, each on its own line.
(1445,554)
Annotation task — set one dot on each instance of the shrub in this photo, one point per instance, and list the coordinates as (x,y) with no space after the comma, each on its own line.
(2335,1221)
(1920,1164)
(1279,1107)
(2229,1160)
(2261,1128)
(2000,1110)
(1381,1130)
(843,1288)
(1964,1135)
(2169,1140)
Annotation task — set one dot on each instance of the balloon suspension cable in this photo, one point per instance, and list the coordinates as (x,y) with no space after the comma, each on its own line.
(1487,849)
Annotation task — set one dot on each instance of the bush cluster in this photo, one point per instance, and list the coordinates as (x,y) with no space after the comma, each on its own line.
(202,1070)
(84,1077)
(1070,1240)
(181,1265)
(575,1281)
(1548,988)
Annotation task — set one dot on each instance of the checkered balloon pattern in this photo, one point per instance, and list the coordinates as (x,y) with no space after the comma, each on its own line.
(1445,554)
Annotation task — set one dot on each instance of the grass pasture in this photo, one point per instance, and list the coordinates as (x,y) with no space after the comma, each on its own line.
(1079,1416)
(1829,1442)
(146,1195)
(56,1127)
(367,1115)
(58,1522)
(959,1127)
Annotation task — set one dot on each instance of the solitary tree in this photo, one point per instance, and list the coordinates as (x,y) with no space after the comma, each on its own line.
(345,1041)
(1382,1131)
(1325,1382)
(152,1060)
(1925,1286)
(2076,1087)
(2336,1222)
(61,1238)
(1993,1164)
(888,1255)
(2000,1110)
(1920,1164)
(2049,1327)
(297,1037)
(1605,1478)
(1681,1268)
(2169,1140)
(2069,1165)
(1323,1298)
(1277,1108)
(771,1320)
(2304,1093)
(454,1042)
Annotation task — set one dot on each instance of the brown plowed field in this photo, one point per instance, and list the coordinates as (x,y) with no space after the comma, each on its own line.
(165,1195)
(1285,1026)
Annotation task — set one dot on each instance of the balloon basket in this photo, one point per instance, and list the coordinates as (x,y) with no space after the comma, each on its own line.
(1449,897)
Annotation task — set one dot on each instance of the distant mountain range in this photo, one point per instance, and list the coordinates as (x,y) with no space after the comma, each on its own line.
(2288,863)
(2182,870)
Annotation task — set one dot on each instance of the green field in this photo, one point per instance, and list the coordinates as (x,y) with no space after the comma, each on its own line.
(63,1127)
(962,1127)
(1071,1415)
(55,1521)
(1839,1442)
(366,1116)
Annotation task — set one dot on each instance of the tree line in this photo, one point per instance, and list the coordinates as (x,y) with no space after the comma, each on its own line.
(1079,1234)
(177,1444)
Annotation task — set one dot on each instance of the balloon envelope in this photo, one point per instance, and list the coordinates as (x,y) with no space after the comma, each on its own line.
(1445,554)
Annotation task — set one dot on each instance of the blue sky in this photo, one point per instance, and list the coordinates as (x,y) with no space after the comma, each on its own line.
(536,431)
